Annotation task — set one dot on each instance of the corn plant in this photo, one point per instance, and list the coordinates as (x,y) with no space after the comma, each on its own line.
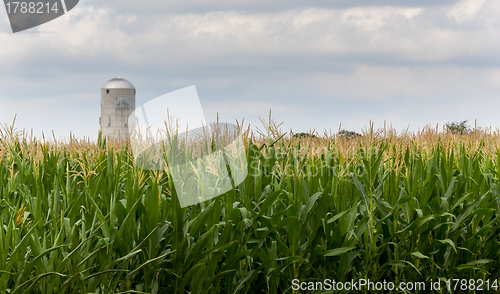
(82,217)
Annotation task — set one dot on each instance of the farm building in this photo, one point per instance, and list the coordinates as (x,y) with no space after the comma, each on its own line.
(117,103)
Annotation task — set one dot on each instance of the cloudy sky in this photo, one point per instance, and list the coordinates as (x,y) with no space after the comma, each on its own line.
(316,64)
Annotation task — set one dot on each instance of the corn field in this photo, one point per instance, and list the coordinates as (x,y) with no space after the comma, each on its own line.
(81,217)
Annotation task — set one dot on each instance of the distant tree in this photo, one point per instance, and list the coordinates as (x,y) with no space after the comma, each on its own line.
(348,134)
(304,135)
(458,127)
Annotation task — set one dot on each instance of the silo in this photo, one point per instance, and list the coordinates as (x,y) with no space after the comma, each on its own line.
(117,103)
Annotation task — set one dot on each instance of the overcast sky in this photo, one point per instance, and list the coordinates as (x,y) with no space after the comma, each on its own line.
(316,64)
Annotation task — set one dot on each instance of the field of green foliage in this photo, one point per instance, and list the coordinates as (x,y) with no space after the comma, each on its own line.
(80,217)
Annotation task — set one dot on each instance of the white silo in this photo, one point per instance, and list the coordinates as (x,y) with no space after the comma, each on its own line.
(117,103)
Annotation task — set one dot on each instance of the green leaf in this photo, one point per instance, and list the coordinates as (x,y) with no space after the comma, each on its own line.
(419,255)
(338,251)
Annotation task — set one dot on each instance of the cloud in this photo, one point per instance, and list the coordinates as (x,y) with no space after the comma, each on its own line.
(314,66)
(159,7)
(361,33)
(465,9)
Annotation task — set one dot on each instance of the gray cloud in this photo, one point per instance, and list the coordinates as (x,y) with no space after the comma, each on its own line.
(316,66)
(254,6)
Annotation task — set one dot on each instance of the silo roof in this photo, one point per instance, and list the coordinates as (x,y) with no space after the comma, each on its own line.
(118,83)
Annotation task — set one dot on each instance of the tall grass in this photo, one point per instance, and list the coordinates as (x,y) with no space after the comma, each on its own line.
(80,217)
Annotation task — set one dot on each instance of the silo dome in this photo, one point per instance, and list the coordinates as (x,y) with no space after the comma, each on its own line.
(118,83)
